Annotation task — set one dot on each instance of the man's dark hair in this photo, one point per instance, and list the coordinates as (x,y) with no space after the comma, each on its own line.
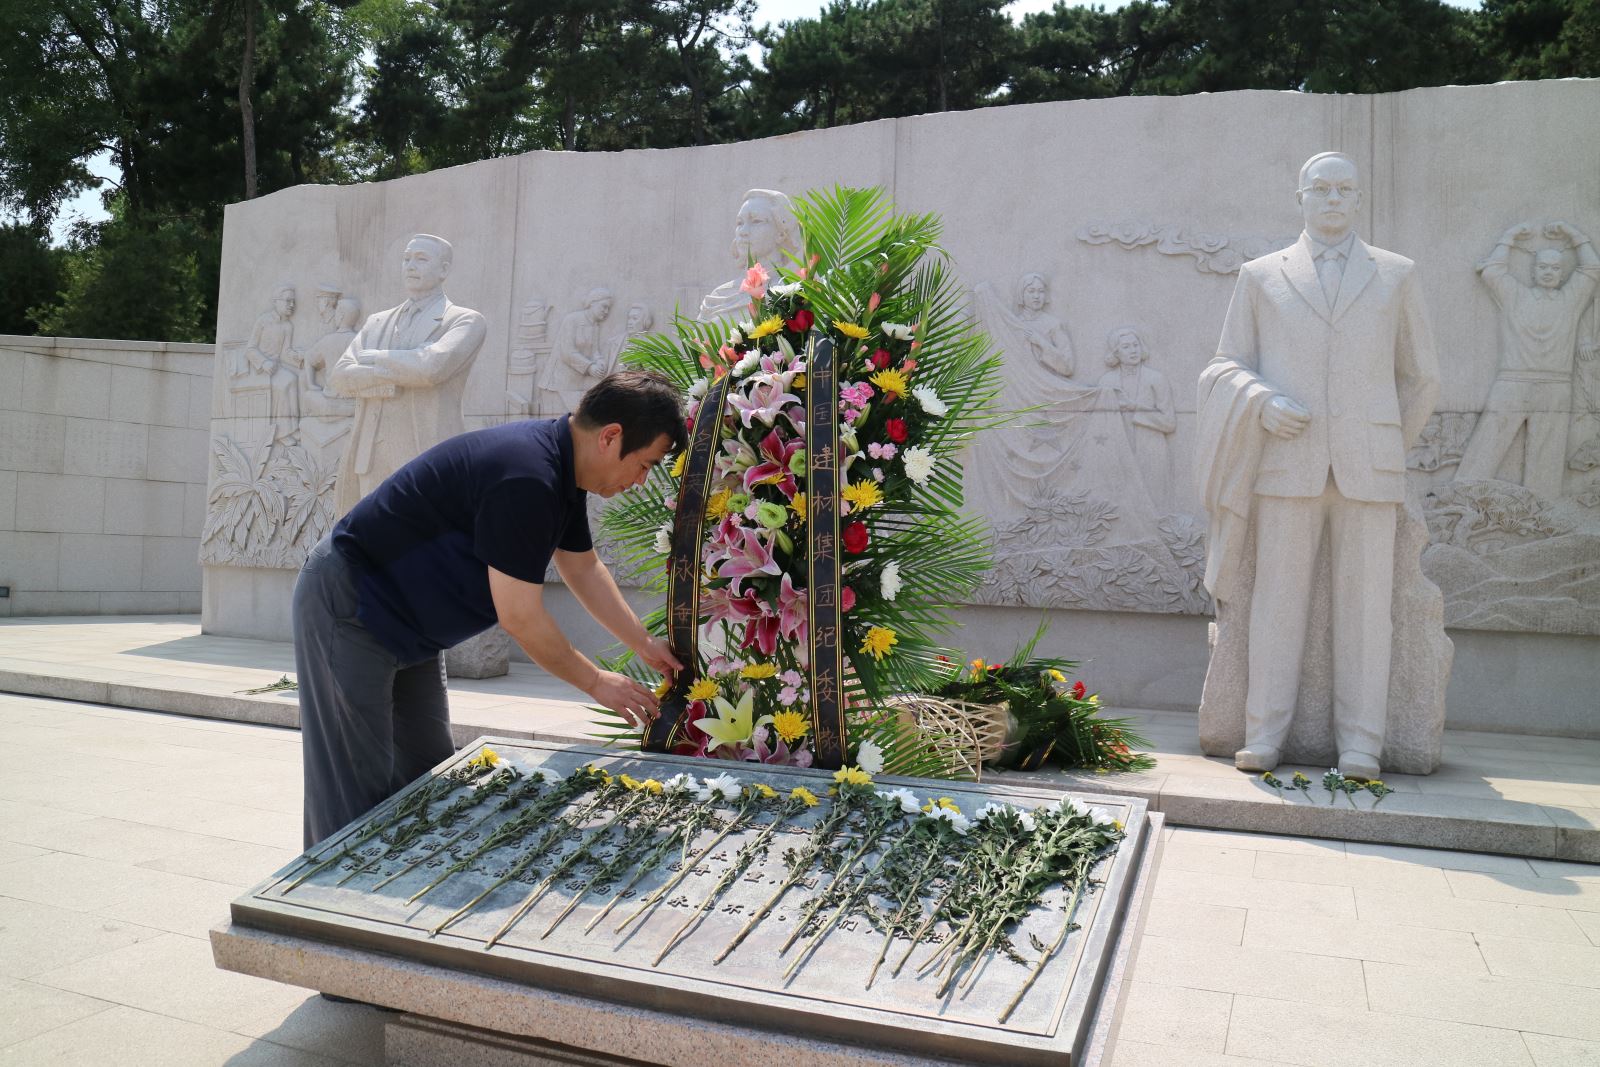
(642,402)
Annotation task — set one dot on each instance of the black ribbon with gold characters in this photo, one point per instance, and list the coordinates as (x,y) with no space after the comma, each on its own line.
(823,565)
(683,567)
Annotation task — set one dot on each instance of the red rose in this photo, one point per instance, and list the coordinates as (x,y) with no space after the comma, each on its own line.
(1079,690)
(896,429)
(881,359)
(847,599)
(855,538)
(800,321)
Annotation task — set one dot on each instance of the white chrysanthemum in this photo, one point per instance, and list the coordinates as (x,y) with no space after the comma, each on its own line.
(929,400)
(869,757)
(751,360)
(1072,808)
(723,786)
(897,331)
(788,289)
(889,580)
(698,389)
(663,543)
(993,811)
(1026,819)
(1102,819)
(904,797)
(742,327)
(681,783)
(958,822)
(919,464)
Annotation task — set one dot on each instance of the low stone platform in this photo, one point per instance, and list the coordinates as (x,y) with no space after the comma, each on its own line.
(481,986)
(1513,794)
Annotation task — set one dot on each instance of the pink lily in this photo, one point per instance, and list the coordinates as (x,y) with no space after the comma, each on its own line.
(792,613)
(762,632)
(776,453)
(750,557)
(724,606)
(777,753)
(768,395)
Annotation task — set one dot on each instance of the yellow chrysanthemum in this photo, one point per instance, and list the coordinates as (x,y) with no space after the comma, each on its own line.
(805,796)
(948,805)
(717,506)
(799,381)
(485,759)
(628,781)
(852,776)
(798,505)
(1056,676)
(850,329)
(664,688)
(703,689)
(791,726)
(879,640)
(650,785)
(757,670)
(766,791)
(863,494)
(677,464)
(890,381)
(768,327)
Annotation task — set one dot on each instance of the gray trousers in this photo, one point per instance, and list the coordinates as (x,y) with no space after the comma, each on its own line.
(368,726)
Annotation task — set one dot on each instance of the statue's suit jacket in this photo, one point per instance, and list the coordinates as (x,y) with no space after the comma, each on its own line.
(409,395)
(1365,368)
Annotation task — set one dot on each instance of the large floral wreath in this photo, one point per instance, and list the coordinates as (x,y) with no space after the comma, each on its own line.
(915,381)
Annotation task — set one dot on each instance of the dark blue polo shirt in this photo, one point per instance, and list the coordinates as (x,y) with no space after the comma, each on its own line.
(422,542)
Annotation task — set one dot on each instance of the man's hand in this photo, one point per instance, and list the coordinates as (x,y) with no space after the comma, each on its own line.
(657,655)
(1282,417)
(624,696)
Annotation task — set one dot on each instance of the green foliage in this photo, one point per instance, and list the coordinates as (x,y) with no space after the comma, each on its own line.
(30,274)
(137,278)
(1056,723)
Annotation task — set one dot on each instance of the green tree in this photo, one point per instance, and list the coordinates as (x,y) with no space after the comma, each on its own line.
(30,274)
(1543,38)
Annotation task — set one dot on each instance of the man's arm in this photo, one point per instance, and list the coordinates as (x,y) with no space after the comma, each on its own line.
(520,608)
(592,584)
(1416,362)
(1239,349)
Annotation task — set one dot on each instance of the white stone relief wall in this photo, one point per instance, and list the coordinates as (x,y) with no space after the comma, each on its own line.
(1121,212)
(102,475)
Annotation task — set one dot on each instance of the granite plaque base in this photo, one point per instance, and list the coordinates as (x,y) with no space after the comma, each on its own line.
(552,993)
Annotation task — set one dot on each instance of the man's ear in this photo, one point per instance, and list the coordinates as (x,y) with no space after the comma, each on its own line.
(609,433)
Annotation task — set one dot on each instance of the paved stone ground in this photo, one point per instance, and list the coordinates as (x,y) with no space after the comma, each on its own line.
(125,834)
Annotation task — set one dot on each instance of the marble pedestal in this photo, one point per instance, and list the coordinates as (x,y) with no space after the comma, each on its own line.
(597,999)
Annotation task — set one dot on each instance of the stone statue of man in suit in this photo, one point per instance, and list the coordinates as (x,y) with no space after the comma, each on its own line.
(1324,375)
(406,369)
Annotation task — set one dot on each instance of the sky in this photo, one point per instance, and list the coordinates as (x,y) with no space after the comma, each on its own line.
(87,204)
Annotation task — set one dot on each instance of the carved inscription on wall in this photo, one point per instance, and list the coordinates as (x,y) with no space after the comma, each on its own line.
(1213,253)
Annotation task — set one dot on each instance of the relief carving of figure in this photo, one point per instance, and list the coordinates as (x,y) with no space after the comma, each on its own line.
(1069,501)
(270,353)
(765,232)
(1144,396)
(639,322)
(407,369)
(579,356)
(344,317)
(1289,450)
(1538,339)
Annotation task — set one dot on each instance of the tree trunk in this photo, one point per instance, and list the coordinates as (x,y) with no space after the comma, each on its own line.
(247,112)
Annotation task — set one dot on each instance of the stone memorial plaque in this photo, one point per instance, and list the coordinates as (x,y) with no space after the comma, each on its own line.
(360,903)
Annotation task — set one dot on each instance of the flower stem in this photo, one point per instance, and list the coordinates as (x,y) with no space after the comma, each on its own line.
(1081,875)
(523,792)
(570,860)
(741,863)
(915,895)
(869,841)
(844,904)
(739,819)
